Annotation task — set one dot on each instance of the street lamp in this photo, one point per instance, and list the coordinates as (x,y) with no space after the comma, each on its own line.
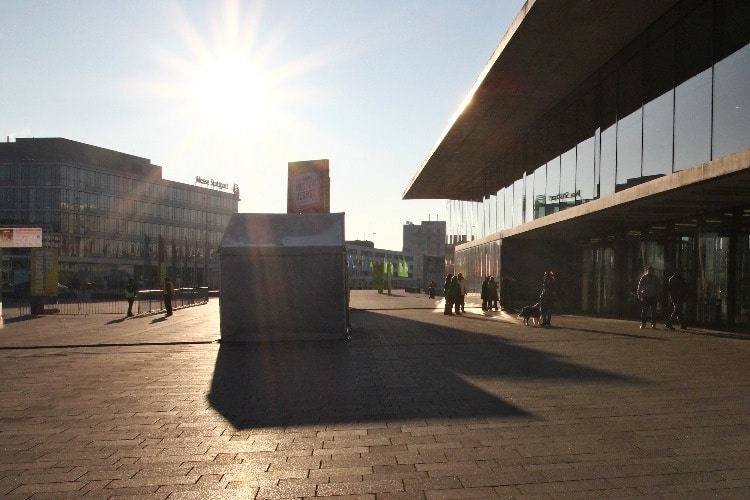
(205,248)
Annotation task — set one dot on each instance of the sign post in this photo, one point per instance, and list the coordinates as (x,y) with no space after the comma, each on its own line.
(23,237)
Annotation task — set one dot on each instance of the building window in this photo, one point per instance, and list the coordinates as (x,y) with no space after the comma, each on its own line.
(732,103)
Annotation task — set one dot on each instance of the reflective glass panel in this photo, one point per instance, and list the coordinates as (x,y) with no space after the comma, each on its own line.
(553,186)
(732,104)
(585,171)
(567,194)
(629,135)
(540,185)
(501,210)
(692,122)
(608,161)
(508,191)
(528,214)
(657,135)
(518,195)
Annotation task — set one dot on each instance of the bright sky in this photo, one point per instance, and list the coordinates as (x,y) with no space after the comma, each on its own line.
(234,90)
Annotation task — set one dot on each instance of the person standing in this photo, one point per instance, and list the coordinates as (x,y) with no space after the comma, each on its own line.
(494,298)
(454,290)
(168,292)
(677,290)
(432,287)
(648,289)
(462,295)
(546,298)
(130,291)
(486,294)
(447,294)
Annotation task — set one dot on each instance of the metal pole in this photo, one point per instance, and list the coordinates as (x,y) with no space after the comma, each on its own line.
(205,250)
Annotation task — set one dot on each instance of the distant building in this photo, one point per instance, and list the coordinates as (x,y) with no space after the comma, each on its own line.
(110,215)
(367,265)
(426,240)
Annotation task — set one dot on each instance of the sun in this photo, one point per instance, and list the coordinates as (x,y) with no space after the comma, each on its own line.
(233,94)
(218,78)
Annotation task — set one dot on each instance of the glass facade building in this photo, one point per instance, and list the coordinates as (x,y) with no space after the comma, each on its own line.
(110,215)
(671,106)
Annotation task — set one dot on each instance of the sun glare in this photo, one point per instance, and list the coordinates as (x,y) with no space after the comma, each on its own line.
(223,81)
(233,95)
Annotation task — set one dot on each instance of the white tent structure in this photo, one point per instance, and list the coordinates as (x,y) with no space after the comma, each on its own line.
(283,277)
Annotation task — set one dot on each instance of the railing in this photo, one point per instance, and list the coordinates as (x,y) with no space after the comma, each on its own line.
(92,302)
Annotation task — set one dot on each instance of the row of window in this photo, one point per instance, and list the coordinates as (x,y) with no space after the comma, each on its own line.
(92,182)
(705,117)
(85,206)
(175,252)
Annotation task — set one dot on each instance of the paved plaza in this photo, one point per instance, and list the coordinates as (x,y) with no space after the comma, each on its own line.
(416,405)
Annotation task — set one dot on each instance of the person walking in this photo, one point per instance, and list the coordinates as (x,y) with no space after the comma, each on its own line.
(130,291)
(648,289)
(168,292)
(677,289)
(547,297)
(462,295)
(432,287)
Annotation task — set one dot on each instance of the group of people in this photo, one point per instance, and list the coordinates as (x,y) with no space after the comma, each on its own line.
(131,290)
(454,290)
(648,292)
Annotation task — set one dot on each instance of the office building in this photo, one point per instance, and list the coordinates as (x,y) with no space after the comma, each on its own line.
(601,138)
(111,215)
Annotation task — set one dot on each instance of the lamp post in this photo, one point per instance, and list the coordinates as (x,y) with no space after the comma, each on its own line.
(205,249)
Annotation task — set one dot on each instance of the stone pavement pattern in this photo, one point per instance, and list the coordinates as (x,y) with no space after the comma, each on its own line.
(415,405)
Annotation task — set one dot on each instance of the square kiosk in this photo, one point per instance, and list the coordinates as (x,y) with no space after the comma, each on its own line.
(283,277)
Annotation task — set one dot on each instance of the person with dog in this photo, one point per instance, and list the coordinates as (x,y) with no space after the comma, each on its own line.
(647,292)
(677,290)
(547,297)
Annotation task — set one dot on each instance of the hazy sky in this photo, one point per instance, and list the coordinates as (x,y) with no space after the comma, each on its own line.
(234,90)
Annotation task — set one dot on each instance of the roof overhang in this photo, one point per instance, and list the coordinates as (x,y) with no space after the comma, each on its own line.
(550,49)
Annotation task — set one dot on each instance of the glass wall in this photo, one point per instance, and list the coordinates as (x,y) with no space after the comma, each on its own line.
(675,98)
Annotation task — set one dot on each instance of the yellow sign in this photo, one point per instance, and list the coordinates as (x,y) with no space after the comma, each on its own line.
(44,271)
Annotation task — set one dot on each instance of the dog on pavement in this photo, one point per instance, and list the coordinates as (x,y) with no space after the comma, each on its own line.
(531,313)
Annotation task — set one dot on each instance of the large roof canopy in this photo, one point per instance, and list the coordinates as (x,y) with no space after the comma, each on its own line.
(550,49)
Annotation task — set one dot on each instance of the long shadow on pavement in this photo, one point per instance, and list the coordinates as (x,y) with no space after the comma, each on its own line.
(393,368)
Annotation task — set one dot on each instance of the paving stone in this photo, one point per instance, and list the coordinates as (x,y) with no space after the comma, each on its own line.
(417,405)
